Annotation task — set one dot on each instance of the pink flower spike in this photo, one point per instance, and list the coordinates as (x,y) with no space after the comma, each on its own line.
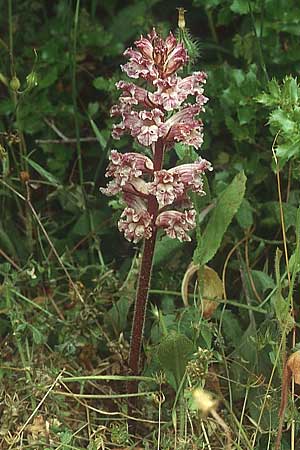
(176,224)
(136,223)
(166,187)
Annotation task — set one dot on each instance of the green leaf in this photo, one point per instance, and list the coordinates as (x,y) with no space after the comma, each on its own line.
(48,79)
(262,280)
(182,151)
(288,150)
(102,84)
(6,243)
(43,172)
(227,205)
(244,216)
(117,315)
(240,6)
(164,249)
(280,119)
(102,141)
(174,353)
(231,328)
(283,313)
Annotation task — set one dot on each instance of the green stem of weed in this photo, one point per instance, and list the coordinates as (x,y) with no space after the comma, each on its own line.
(213,30)
(77,135)
(74,93)
(23,165)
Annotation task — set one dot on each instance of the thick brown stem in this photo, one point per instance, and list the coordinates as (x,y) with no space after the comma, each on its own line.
(140,305)
(145,276)
(286,379)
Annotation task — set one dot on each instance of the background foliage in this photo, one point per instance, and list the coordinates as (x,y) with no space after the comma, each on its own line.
(68,277)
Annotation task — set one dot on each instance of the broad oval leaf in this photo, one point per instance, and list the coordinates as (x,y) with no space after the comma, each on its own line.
(228,203)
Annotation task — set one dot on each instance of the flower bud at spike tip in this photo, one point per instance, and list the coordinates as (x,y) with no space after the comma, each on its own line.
(15,83)
(181,19)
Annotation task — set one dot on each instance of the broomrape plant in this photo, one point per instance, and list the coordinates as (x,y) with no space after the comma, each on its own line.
(158,116)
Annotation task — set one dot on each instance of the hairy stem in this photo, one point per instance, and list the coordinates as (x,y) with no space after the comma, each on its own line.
(145,275)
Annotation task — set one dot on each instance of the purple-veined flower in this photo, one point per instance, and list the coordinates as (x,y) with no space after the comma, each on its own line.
(135,221)
(176,224)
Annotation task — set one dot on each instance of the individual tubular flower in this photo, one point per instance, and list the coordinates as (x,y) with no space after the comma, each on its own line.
(184,127)
(125,168)
(174,90)
(145,126)
(166,187)
(133,95)
(155,58)
(176,224)
(190,175)
(171,185)
(135,221)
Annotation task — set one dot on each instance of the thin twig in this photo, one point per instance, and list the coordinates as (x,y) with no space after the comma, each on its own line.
(224,426)
(65,141)
(56,130)
(5,256)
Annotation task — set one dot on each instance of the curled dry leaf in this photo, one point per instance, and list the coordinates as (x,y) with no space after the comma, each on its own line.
(293,364)
(212,288)
(291,369)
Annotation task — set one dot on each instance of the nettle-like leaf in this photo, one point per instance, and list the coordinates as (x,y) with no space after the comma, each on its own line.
(228,203)
(173,354)
(285,117)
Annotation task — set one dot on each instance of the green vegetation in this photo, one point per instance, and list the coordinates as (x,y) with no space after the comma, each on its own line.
(210,380)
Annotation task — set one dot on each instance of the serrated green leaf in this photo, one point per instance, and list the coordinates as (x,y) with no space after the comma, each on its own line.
(227,205)
(288,150)
(280,119)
